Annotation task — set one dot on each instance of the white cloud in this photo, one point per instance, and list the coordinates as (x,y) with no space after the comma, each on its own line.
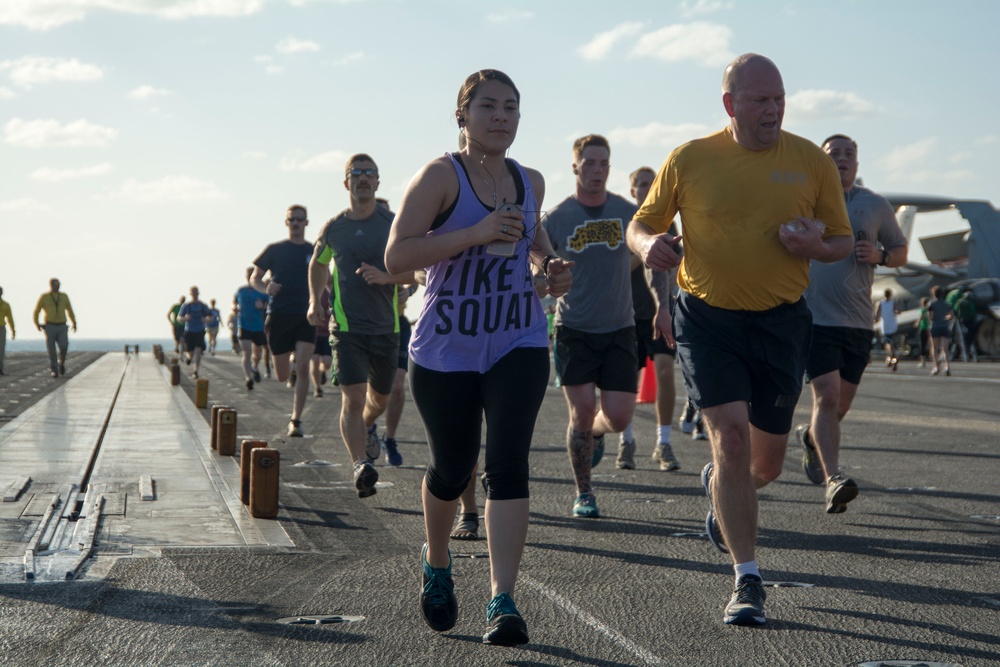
(908,158)
(31,70)
(254,155)
(658,134)
(688,8)
(55,175)
(25,205)
(167,189)
(329,161)
(703,42)
(962,156)
(52,134)
(601,45)
(988,140)
(812,105)
(294,45)
(6,93)
(48,14)
(146,92)
(348,59)
(509,16)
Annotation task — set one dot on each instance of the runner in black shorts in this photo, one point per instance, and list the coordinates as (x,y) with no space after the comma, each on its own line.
(654,354)
(749,198)
(839,296)
(288,329)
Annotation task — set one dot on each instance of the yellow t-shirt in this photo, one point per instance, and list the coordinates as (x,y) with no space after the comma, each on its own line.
(732,201)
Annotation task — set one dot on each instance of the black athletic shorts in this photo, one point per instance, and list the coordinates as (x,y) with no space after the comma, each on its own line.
(255,337)
(844,349)
(737,355)
(607,359)
(323,348)
(178,333)
(193,339)
(285,330)
(371,358)
(648,347)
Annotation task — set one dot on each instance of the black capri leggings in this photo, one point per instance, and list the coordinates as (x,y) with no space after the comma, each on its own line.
(452,406)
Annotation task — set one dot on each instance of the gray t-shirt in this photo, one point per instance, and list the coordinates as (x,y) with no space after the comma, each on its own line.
(600,300)
(839,293)
(355,305)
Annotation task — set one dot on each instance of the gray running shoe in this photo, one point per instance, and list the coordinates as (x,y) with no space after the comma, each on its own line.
(810,457)
(294,428)
(626,455)
(840,490)
(373,448)
(663,454)
(712,530)
(746,607)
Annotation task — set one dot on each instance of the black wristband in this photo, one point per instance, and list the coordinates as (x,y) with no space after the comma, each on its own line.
(885,257)
(545,263)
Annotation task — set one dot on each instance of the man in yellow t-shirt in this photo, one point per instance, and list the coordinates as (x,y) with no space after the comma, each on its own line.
(57,309)
(5,318)
(751,199)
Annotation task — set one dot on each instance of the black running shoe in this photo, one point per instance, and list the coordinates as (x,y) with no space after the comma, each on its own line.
(811,465)
(256,375)
(598,451)
(249,384)
(438,603)
(746,607)
(506,627)
(365,477)
(840,490)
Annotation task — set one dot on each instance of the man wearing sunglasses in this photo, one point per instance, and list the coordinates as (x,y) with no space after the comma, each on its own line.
(288,329)
(364,322)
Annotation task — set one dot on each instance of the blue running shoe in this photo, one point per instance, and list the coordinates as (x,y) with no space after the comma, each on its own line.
(438,603)
(392,454)
(746,607)
(506,627)
(586,506)
(712,529)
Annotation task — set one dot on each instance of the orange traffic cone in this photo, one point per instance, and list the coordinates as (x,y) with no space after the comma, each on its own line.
(647,385)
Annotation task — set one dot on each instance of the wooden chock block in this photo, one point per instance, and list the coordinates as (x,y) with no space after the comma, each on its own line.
(214,424)
(175,373)
(246,464)
(201,393)
(225,433)
(264,465)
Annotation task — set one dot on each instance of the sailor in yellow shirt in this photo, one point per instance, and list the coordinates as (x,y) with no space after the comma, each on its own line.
(751,198)
(57,309)
(5,318)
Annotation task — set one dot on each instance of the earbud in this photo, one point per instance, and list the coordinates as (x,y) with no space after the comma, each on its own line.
(461,121)
(575,171)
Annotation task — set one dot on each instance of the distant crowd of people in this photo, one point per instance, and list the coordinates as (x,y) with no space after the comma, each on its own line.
(768,286)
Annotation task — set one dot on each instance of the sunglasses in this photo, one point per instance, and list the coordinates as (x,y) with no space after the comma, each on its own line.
(367,172)
(296,219)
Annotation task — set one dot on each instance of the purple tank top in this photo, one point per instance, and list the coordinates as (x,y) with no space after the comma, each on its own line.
(477,306)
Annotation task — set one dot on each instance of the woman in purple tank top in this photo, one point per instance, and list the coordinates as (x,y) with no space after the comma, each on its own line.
(480,345)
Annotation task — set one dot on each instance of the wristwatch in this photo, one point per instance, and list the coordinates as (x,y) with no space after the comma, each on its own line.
(885,257)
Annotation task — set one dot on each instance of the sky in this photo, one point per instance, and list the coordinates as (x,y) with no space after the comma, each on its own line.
(150,145)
